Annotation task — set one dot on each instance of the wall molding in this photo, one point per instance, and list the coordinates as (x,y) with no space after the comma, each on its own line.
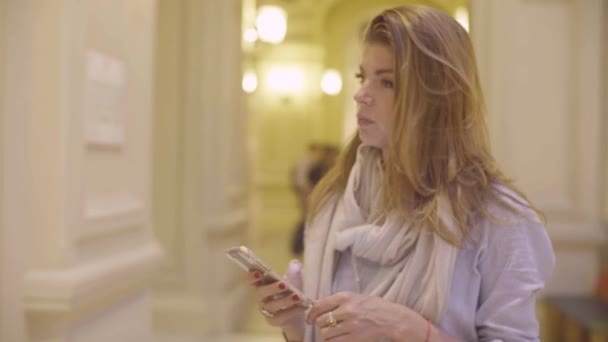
(109,215)
(67,290)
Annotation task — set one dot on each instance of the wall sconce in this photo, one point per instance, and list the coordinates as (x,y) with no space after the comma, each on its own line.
(462,16)
(250,82)
(271,24)
(331,82)
(286,80)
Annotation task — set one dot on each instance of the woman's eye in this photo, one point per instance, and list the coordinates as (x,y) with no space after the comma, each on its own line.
(387,83)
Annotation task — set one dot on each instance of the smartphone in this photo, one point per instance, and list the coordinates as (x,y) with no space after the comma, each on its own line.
(250,262)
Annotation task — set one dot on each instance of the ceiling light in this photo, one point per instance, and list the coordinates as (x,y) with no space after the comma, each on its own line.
(271,24)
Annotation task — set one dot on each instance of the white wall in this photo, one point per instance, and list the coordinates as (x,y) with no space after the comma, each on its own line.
(77,214)
(542,70)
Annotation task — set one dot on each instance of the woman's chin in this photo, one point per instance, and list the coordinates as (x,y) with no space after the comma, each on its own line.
(370,141)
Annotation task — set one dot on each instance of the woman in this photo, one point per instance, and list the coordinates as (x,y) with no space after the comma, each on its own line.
(416,235)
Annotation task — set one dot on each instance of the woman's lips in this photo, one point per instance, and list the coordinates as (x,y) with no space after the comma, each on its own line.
(364,122)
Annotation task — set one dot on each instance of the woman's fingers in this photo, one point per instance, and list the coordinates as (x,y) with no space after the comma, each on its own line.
(253,277)
(283,316)
(325,320)
(339,331)
(326,305)
(276,305)
(267,292)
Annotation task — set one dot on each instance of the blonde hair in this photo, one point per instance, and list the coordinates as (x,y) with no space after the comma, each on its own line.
(438,142)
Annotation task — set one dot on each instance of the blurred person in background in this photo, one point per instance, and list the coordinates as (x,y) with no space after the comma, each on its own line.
(299,174)
(316,171)
(323,165)
(416,235)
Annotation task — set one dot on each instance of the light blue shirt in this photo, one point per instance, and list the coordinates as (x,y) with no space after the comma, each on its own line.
(497,275)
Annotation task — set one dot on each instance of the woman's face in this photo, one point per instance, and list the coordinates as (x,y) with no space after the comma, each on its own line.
(375,97)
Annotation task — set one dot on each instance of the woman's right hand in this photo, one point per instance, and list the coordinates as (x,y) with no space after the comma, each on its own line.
(278,304)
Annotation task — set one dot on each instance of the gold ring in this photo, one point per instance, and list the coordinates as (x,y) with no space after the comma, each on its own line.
(331,320)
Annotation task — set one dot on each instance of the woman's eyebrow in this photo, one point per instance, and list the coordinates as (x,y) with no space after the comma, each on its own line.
(379,71)
(384,71)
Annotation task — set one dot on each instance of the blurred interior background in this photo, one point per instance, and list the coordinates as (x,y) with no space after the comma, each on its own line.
(139,139)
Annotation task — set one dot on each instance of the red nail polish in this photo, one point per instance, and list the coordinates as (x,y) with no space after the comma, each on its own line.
(295,297)
(257,275)
(281,286)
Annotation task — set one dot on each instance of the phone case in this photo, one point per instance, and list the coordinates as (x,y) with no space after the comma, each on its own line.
(249,261)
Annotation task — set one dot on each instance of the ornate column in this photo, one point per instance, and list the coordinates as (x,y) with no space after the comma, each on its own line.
(201,188)
(76,199)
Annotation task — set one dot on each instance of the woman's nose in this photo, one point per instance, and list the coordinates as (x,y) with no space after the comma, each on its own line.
(362,96)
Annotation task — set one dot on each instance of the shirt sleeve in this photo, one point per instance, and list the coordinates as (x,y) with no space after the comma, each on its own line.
(514,265)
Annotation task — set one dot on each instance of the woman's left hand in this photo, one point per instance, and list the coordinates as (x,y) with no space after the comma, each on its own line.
(365,318)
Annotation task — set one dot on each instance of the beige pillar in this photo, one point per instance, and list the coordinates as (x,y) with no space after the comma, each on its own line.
(76,120)
(201,189)
(13,192)
(542,70)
